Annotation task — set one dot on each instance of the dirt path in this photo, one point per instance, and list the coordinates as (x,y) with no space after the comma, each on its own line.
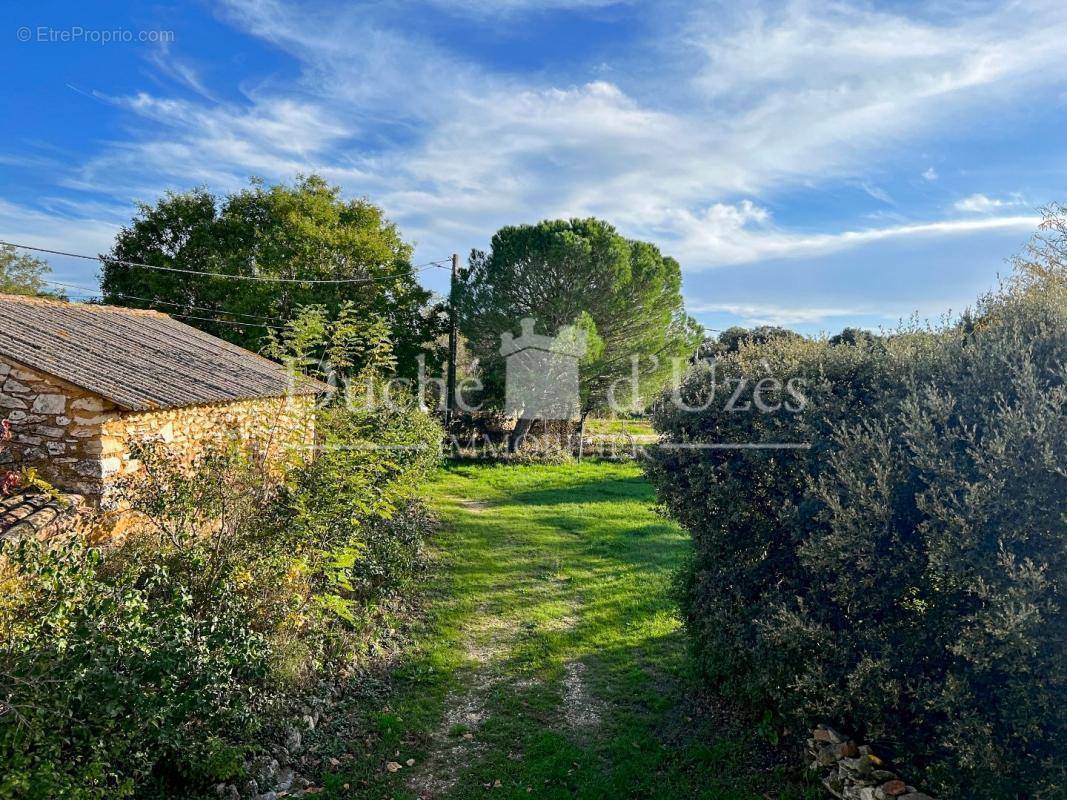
(555,665)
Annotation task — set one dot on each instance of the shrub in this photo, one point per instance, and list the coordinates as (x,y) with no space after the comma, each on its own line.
(906,576)
(155,670)
(115,686)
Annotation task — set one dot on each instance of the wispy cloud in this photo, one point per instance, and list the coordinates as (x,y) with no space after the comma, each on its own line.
(737,234)
(983,204)
(750,314)
(454,148)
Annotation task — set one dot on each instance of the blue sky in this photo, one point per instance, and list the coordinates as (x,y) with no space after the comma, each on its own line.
(810,164)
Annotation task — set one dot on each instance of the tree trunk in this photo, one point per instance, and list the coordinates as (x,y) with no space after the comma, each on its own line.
(581,436)
(518,436)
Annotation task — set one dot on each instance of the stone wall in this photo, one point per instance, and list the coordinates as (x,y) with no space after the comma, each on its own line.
(53,428)
(79,442)
(271,428)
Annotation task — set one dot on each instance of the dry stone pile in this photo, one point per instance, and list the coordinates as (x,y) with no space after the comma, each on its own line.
(853,772)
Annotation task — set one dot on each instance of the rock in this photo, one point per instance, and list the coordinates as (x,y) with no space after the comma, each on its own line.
(293,741)
(50,404)
(825,757)
(894,788)
(285,779)
(6,401)
(88,404)
(264,771)
(410,762)
(915,796)
(12,385)
(847,750)
(392,766)
(99,419)
(856,766)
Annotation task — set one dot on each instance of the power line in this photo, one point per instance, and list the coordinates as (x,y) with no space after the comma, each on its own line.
(422,268)
(90,296)
(226,321)
(93,293)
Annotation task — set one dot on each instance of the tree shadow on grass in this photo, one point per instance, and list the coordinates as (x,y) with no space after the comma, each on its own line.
(607,490)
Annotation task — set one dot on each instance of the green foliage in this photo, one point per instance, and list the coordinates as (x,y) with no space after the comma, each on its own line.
(301,231)
(115,685)
(155,670)
(733,339)
(624,294)
(903,577)
(347,346)
(25,274)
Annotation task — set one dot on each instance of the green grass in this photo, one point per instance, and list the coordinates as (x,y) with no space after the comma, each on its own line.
(640,429)
(552,591)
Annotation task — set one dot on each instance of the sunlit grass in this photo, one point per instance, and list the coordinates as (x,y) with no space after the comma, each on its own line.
(541,568)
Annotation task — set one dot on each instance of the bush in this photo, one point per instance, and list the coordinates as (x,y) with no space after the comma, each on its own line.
(114,686)
(906,576)
(157,669)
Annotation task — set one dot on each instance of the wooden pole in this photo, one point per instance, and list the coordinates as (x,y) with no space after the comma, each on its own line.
(453,344)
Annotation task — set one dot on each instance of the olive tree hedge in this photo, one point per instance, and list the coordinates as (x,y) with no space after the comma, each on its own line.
(905,576)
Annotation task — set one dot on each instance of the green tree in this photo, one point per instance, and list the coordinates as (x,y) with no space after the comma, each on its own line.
(24,274)
(304,231)
(733,339)
(625,295)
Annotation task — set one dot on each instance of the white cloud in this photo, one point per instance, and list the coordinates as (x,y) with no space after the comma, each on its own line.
(983,204)
(930,174)
(752,314)
(454,149)
(724,234)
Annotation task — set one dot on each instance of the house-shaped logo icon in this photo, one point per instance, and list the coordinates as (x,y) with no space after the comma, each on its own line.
(542,372)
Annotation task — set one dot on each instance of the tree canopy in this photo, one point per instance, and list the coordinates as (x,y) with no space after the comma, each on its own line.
(733,339)
(624,295)
(300,231)
(24,274)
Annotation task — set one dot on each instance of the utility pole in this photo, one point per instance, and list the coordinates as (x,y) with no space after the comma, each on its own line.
(453,345)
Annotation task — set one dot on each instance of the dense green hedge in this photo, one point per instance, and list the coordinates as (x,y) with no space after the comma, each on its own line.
(157,668)
(905,577)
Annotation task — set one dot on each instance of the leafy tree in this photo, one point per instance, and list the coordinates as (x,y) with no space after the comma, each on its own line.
(24,274)
(853,336)
(624,295)
(733,339)
(303,231)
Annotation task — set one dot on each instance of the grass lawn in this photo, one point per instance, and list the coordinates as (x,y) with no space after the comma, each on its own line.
(639,429)
(551,663)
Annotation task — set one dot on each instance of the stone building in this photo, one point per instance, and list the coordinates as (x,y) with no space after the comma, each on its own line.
(81,383)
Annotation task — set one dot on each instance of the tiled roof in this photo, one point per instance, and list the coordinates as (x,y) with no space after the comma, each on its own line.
(35,514)
(139,360)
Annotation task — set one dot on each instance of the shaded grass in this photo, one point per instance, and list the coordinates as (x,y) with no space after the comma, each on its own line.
(542,568)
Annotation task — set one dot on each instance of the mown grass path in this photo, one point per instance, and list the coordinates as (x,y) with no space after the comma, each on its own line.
(552,664)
